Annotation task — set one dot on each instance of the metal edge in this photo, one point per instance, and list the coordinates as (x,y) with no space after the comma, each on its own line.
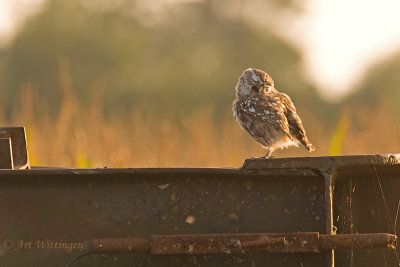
(321,163)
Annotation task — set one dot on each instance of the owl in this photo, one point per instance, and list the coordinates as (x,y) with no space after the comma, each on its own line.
(266,114)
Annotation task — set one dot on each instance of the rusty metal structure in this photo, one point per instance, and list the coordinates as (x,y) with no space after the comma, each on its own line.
(314,211)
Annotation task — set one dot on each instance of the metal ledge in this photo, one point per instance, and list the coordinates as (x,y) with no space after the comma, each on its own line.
(321,163)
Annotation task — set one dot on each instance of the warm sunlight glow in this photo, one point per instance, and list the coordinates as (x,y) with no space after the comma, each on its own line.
(6,18)
(342,39)
(12,14)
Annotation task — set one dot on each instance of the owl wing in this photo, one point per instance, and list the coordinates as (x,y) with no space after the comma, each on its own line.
(267,110)
(295,125)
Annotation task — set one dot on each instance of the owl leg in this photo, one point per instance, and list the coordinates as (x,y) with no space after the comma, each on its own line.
(268,154)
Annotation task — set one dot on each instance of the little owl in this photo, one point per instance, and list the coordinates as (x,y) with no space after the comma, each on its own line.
(266,114)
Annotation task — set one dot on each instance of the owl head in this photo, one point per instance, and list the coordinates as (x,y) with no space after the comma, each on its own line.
(253,82)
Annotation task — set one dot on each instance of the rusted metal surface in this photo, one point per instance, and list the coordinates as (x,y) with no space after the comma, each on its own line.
(328,163)
(234,243)
(6,161)
(366,202)
(265,196)
(265,241)
(122,245)
(18,144)
(81,205)
(358,241)
(242,243)
(333,169)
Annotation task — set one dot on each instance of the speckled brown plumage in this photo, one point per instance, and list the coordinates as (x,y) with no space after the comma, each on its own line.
(266,114)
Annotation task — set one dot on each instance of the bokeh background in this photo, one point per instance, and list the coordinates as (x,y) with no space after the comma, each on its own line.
(137,83)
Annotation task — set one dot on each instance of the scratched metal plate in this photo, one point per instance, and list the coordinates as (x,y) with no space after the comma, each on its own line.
(367,200)
(74,206)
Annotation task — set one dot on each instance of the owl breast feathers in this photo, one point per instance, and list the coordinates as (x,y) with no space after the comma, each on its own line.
(266,114)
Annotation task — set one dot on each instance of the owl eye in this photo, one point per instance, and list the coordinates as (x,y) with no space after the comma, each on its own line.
(255,77)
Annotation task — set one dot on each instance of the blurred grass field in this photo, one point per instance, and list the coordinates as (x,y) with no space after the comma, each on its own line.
(82,136)
(108,88)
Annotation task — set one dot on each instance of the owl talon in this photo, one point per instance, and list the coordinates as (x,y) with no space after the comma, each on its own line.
(267,157)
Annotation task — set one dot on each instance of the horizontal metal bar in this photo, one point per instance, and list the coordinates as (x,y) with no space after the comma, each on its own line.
(265,241)
(120,245)
(234,243)
(322,163)
(242,243)
(357,241)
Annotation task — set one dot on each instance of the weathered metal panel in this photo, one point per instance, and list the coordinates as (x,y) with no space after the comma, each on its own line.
(49,215)
(367,202)
(18,144)
(79,205)
(6,159)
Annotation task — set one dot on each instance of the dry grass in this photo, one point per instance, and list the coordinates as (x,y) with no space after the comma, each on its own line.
(83,137)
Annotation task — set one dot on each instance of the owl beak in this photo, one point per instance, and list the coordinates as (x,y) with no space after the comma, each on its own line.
(262,87)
